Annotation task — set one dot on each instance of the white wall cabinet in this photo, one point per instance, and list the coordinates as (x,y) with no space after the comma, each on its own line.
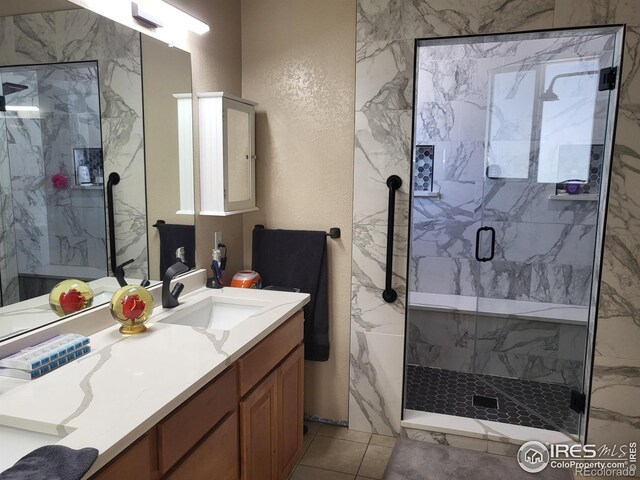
(227,154)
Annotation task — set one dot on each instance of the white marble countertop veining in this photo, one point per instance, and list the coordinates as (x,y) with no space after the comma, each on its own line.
(112,396)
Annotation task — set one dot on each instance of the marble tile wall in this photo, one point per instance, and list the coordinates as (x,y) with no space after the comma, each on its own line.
(551,266)
(9,285)
(75,216)
(77,36)
(385,33)
(528,349)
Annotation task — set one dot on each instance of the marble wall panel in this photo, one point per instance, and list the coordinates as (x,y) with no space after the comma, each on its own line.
(499,16)
(558,283)
(459,161)
(440,339)
(380,20)
(369,312)
(530,367)
(614,413)
(397,19)
(9,284)
(34,38)
(449,276)
(442,238)
(382,148)
(375,391)
(505,280)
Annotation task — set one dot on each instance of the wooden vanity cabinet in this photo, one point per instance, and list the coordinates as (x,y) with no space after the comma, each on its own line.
(137,462)
(246,423)
(271,413)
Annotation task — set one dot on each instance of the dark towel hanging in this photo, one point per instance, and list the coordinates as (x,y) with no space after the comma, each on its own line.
(52,462)
(298,259)
(171,238)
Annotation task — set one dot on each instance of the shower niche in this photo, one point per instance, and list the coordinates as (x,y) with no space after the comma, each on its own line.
(506,231)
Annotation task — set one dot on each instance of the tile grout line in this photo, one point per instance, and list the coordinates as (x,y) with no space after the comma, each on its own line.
(365,454)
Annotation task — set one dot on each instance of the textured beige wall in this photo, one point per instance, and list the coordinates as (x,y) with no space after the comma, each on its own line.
(298,64)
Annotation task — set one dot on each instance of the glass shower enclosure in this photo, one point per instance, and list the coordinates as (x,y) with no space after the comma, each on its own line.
(511,163)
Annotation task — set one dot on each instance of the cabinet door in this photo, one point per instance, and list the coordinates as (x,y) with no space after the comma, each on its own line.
(259,432)
(216,457)
(290,411)
(136,462)
(239,155)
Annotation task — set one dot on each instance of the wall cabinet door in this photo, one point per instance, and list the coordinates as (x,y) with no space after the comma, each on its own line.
(291,411)
(227,154)
(259,431)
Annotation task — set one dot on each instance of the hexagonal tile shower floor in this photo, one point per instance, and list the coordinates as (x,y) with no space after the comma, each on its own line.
(526,403)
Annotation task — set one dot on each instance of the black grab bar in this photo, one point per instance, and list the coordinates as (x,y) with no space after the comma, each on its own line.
(394,182)
(114,179)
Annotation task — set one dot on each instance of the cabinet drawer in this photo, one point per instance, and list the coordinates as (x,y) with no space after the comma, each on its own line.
(184,427)
(264,357)
(215,458)
(136,462)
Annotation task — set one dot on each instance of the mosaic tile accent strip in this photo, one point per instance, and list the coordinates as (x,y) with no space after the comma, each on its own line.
(451,393)
(595,170)
(423,169)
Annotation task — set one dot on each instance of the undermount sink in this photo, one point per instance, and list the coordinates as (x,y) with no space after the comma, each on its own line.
(213,313)
(17,442)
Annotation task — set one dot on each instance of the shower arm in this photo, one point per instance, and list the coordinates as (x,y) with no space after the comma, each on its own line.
(572,74)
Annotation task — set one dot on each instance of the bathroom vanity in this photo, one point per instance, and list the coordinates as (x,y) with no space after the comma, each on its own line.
(213,389)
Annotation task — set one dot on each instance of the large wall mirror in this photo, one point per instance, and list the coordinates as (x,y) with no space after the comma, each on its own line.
(96,158)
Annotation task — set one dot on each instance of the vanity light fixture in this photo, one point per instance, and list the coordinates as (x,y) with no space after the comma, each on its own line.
(157,13)
(22,108)
(16,108)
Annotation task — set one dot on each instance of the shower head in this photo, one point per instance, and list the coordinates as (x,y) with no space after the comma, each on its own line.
(9,87)
(549,96)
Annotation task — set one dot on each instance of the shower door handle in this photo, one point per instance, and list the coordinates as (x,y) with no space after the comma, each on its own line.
(493,244)
(394,182)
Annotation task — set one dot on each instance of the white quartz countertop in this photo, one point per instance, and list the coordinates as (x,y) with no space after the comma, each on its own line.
(112,396)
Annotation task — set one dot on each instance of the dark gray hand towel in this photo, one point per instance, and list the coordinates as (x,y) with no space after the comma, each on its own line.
(52,462)
(171,238)
(298,259)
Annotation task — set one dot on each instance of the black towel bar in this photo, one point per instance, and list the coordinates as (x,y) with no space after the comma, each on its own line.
(334,232)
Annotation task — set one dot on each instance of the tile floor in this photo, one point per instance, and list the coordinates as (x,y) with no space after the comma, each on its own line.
(337,453)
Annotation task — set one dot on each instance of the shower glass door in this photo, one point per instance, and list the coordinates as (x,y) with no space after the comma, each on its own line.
(511,162)
(542,185)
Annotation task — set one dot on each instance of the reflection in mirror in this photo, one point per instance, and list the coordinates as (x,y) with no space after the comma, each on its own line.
(84,73)
(54,152)
(169,148)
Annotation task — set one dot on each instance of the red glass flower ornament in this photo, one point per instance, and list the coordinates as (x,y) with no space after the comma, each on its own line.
(72,301)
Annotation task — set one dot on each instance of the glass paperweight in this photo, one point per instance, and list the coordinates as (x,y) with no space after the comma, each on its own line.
(70,296)
(131,306)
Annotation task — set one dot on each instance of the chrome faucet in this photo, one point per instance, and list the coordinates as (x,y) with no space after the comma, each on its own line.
(170,298)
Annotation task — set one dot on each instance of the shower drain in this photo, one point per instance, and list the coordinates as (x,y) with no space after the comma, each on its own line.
(487,402)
